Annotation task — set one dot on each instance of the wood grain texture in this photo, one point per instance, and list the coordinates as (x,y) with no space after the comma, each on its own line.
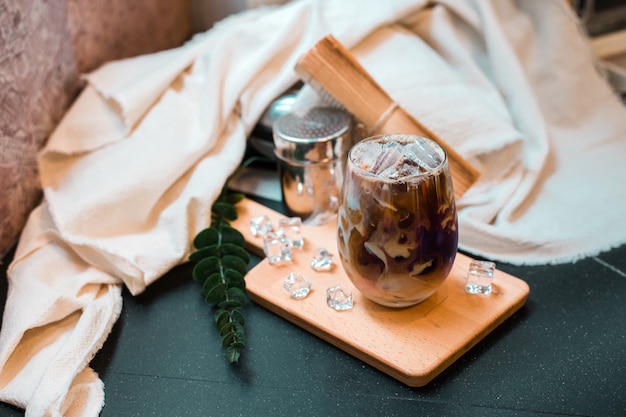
(44,47)
(413,344)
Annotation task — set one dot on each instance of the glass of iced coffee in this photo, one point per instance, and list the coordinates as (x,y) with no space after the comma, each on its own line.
(397,222)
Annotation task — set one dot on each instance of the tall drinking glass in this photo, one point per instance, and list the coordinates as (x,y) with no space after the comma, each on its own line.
(397,222)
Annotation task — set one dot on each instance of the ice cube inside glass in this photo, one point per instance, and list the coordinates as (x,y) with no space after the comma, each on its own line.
(397,223)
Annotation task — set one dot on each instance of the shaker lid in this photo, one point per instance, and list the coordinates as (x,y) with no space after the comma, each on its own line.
(312,135)
(315,124)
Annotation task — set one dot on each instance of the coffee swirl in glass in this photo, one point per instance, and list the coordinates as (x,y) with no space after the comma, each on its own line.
(397,223)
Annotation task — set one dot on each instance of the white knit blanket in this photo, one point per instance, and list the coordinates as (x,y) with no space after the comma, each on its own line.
(130,173)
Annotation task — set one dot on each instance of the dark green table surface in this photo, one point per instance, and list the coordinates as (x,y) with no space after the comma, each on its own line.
(562,354)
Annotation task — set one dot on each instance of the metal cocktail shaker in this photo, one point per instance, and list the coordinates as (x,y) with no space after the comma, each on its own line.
(312,147)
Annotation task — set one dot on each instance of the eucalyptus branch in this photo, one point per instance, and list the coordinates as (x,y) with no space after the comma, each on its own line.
(221,263)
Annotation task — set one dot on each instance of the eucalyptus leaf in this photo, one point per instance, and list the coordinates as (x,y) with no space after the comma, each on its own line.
(216,293)
(237,328)
(221,317)
(236,263)
(235,293)
(220,250)
(201,253)
(226,328)
(231,235)
(234,250)
(240,336)
(234,278)
(206,237)
(232,333)
(233,352)
(229,338)
(206,267)
(224,210)
(236,316)
(234,198)
(230,304)
(216,278)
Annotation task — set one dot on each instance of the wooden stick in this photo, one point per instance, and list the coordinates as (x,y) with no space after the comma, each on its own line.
(332,70)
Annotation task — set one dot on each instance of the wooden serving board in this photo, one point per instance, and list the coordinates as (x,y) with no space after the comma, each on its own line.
(413,344)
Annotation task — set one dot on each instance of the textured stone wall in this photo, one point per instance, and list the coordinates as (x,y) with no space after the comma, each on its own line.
(44,47)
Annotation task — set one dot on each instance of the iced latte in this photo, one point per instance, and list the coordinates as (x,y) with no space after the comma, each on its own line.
(397,224)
